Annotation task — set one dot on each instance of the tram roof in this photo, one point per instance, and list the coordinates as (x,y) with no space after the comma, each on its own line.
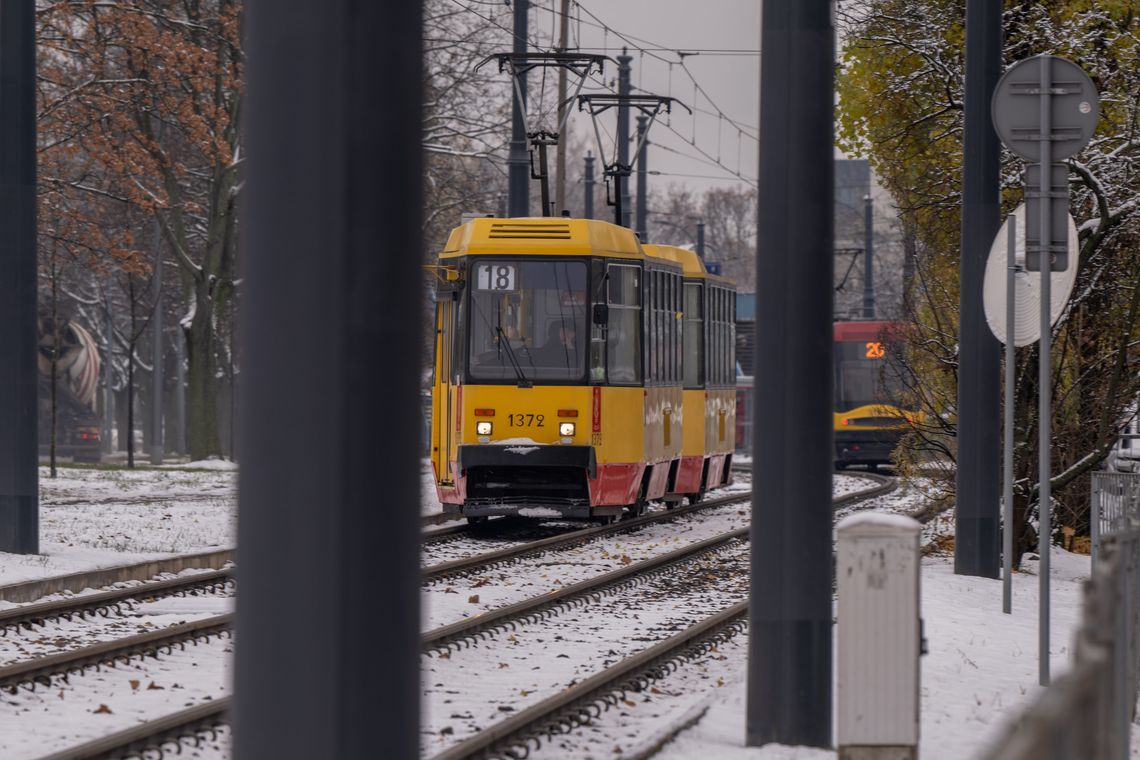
(552,236)
(688,259)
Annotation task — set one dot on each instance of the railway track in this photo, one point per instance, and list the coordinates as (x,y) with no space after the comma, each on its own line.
(509,555)
(577,704)
(105,602)
(539,607)
(486,560)
(562,712)
(42,670)
(154,735)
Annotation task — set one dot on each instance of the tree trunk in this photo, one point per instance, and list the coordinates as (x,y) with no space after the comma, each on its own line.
(54,361)
(131,375)
(201,383)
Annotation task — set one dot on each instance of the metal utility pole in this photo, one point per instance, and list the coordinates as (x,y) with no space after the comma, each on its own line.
(560,150)
(622,189)
(868,258)
(642,179)
(19,446)
(979,374)
(589,182)
(790,623)
(518,161)
(156,446)
(701,240)
(309,64)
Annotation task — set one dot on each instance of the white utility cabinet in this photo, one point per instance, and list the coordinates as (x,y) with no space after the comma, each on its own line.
(879,637)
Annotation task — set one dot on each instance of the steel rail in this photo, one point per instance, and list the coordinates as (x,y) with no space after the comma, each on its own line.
(37,614)
(42,669)
(582,702)
(452,532)
(568,540)
(442,534)
(886,484)
(510,615)
(152,735)
(439,518)
(501,617)
(512,554)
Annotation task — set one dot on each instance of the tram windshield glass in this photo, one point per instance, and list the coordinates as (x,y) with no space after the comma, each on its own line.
(862,375)
(527,320)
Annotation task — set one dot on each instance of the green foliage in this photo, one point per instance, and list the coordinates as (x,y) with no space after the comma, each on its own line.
(900,104)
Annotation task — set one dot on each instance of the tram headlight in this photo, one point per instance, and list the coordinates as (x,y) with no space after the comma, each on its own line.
(566,429)
(483,428)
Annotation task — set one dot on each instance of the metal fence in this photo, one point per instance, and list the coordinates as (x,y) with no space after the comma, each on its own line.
(1087,714)
(1115,499)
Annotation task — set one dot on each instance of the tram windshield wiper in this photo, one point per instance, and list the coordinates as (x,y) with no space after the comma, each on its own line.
(504,342)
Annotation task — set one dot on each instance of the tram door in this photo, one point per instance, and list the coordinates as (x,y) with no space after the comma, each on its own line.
(444,411)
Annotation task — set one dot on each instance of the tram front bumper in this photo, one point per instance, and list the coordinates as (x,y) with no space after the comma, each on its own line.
(544,479)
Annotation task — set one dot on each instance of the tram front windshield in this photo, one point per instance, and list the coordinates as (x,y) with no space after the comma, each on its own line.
(862,377)
(527,320)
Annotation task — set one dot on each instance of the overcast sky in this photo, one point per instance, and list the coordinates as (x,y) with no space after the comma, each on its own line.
(723,35)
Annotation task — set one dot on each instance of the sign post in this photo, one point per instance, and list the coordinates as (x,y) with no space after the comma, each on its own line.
(1010,377)
(1045,109)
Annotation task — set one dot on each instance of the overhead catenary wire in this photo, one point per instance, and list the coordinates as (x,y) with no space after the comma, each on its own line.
(654,51)
(652,48)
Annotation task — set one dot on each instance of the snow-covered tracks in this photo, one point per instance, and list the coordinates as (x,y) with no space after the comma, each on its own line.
(578,704)
(185,725)
(87,648)
(487,560)
(41,670)
(537,608)
(105,602)
(676,591)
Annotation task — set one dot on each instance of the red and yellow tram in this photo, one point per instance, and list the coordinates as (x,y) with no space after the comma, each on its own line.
(868,421)
(559,376)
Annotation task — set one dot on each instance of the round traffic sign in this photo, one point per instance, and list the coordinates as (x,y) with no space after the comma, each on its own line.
(1074,106)
(1026,285)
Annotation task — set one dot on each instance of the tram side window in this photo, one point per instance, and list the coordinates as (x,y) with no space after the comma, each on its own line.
(623,349)
(726,337)
(730,365)
(694,339)
(667,324)
(652,350)
(719,335)
(657,325)
(674,307)
(714,337)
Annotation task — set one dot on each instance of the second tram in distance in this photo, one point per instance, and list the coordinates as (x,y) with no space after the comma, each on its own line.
(868,422)
(577,372)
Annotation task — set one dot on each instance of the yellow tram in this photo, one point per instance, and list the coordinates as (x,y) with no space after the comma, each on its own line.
(868,422)
(559,371)
(709,377)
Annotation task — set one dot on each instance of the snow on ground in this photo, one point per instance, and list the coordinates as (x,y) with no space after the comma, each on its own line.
(112,699)
(97,517)
(980,674)
(981,671)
